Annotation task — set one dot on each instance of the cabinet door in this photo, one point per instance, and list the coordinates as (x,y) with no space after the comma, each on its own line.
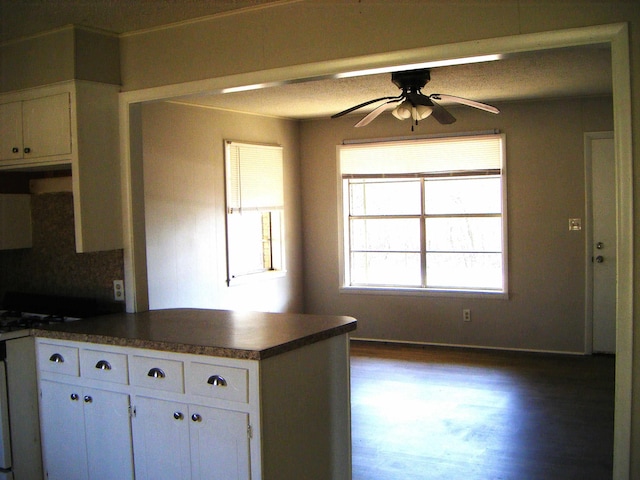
(46,126)
(161,440)
(108,434)
(11,128)
(219,444)
(62,427)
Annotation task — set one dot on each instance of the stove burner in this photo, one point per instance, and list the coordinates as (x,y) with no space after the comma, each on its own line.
(14,320)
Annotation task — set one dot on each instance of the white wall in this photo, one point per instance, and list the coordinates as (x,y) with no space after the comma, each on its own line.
(545,187)
(185,209)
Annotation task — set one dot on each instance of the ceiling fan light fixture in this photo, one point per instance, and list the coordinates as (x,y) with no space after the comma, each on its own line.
(421,112)
(403,111)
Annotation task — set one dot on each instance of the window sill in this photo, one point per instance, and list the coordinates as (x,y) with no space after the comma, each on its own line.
(423,292)
(256,277)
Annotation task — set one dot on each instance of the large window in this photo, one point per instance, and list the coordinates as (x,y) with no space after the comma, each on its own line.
(255,200)
(425,215)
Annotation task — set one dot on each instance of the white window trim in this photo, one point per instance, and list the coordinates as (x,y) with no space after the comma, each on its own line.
(266,275)
(421,291)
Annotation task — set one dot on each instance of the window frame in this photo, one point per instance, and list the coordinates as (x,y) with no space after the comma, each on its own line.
(343,226)
(234,206)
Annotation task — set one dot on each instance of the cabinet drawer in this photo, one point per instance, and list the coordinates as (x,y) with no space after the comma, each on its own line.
(215,381)
(106,366)
(157,373)
(58,359)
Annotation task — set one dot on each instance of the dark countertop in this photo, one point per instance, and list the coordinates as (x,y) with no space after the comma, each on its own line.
(220,333)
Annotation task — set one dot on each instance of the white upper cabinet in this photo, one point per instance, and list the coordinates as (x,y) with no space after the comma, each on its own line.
(37,128)
(70,125)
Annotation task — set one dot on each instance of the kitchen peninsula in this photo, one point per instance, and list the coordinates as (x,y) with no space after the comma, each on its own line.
(192,393)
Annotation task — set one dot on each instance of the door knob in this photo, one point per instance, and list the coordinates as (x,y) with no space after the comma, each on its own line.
(599,245)
(599,259)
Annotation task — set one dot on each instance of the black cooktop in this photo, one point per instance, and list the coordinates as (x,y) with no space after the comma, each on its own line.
(19,310)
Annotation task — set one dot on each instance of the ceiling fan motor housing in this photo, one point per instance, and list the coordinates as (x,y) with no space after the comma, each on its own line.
(412,80)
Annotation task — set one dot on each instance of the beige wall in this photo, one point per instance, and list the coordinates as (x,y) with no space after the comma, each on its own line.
(545,187)
(64,54)
(185,209)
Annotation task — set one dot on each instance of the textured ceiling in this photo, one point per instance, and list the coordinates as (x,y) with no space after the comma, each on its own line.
(581,71)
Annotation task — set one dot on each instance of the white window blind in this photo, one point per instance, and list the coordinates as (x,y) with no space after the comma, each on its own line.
(450,154)
(254,177)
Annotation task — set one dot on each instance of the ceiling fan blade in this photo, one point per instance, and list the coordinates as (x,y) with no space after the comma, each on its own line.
(353,109)
(417,98)
(465,101)
(373,114)
(442,115)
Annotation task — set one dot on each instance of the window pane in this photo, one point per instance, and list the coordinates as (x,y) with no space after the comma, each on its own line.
(464,270)
(387,234)
(380,269)
(467,234)
(463,195)
(249,245)
(385,197)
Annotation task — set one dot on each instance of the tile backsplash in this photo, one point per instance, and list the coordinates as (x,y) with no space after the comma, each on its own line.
(52,265)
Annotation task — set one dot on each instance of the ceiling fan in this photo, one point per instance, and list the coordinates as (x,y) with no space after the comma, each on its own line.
(414,104)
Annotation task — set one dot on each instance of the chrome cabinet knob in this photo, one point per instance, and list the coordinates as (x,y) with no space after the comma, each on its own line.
(178,415)
(56,358)
(74,397)
(156,373)
(27,150)
(88,399)
(217,381)
(15,150)
(103,365)
(196,417)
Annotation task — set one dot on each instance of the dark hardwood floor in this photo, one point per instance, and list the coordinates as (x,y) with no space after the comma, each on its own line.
(461,414)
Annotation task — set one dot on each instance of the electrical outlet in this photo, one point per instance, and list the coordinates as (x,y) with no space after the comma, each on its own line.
(466,315)
(118,290)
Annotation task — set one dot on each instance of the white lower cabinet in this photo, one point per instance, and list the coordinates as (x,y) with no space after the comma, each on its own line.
(186,419)
(178,441)
(86,433)
(114,412)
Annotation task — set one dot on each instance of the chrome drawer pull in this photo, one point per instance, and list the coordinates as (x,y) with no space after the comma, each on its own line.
(103,365)
(156,372)
(217,381)
(56,358)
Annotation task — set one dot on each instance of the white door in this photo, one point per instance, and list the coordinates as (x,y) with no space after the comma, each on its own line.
(11,128)
(219,444)
(62,425)
(46,124)
(161,440)
(108,433)
(603,241)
